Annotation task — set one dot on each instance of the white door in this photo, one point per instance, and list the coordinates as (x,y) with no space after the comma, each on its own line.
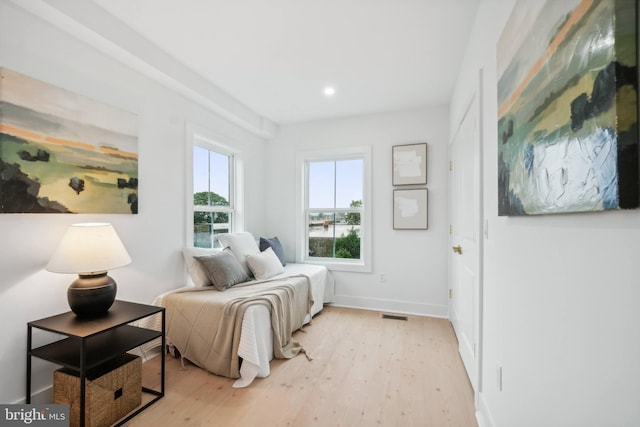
(465,240)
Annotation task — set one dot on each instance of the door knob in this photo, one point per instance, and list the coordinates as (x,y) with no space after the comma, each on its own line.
(457,249)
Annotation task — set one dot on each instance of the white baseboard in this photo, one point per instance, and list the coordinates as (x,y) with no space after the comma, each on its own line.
(393,306)
(40,397)
(483,415)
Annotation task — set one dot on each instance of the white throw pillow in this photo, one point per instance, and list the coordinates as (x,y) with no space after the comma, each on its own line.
(265,264)
(241,245)
(197,273)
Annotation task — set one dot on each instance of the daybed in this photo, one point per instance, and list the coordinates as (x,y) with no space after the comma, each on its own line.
(232,326)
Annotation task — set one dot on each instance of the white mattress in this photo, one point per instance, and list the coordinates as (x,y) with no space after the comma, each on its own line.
(256,342)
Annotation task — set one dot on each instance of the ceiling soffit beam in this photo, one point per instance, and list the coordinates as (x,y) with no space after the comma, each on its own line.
(91,24)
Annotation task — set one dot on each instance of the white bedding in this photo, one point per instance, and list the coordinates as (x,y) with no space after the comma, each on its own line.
(256,341)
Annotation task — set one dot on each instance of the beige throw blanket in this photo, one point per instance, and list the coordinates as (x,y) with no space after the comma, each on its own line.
(204,324)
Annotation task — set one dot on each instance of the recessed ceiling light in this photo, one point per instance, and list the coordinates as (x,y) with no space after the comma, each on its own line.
(329,91)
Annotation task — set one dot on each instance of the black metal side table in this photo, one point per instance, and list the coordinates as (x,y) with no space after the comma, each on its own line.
(92,342)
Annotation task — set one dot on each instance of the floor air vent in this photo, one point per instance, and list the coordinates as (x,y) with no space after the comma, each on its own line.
(394,317)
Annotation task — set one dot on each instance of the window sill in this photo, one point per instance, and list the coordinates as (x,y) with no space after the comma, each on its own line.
(333,265)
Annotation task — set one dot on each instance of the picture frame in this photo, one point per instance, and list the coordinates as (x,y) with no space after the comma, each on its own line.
(409,164)
(410,209)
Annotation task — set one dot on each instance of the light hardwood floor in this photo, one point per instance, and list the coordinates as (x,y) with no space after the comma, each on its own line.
(366,371)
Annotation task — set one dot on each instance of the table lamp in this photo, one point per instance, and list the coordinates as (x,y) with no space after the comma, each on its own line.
(90,249)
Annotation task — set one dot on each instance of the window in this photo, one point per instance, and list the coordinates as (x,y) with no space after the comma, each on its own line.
(336,205)
(213,193)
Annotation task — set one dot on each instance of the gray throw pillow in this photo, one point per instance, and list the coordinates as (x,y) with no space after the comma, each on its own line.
(223,269)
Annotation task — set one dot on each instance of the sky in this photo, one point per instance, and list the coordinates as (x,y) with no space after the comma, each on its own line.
(348,180)
(219,171)
(345,174)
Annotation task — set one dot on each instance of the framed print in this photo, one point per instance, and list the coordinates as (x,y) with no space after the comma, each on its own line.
(409,164)
(410,209)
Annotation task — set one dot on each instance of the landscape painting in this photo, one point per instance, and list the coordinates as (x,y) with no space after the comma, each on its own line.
(568,107)
(61,152)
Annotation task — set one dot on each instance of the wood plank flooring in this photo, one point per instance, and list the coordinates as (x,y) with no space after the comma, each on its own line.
(366,371)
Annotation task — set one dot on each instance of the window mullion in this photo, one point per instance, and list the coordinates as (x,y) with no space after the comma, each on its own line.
(335,205)
(209,201)
(335,185)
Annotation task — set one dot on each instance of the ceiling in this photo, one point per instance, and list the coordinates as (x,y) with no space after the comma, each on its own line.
(276,56)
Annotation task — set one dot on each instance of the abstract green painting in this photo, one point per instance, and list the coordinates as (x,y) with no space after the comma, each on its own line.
(568,107)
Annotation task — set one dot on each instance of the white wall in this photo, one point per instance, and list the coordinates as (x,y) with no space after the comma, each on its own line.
(561,292)
(414,262)
(154,237)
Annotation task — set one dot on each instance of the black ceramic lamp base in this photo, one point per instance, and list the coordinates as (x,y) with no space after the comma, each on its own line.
(91,295)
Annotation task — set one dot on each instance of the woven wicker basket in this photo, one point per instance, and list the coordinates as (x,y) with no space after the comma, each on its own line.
(112,390)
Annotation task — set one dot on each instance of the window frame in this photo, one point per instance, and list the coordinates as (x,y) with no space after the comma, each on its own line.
(303,158)
(208,140)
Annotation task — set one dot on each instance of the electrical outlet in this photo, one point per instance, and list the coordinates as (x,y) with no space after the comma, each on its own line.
(383,277)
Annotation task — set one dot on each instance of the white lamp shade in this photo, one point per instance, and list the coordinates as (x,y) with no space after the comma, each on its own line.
(89,248)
